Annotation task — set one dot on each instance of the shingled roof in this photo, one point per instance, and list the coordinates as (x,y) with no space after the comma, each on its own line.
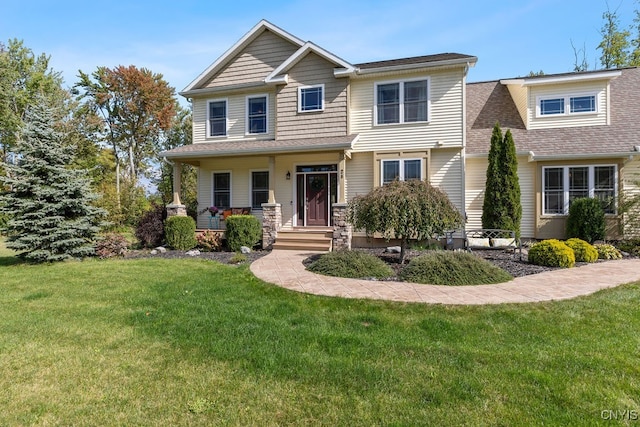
(227,148)
(416,60)
(490,102)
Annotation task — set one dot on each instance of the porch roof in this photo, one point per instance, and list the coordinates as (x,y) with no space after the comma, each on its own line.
(255,147)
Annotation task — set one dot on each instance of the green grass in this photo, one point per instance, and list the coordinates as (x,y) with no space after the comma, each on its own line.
(192,342)
(453,269)
(352,264)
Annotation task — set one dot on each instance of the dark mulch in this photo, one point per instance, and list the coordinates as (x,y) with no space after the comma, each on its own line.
(506,260)
(223,257)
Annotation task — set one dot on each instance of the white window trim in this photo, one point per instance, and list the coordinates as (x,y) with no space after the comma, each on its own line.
(246,114)
(251,171)
(401,160)
(567,104)
(226,126)
(565,187)
(300,88)
(401,112)
(230,186)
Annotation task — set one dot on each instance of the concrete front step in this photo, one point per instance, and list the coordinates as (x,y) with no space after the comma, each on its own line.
(304,239)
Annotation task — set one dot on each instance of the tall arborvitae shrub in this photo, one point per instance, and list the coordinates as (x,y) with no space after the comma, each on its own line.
(51,216)
(502,208)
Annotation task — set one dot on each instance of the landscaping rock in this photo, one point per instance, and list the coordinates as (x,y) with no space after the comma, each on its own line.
(193,252)
(161,249)
(245,250)
(154,252)
(393,250)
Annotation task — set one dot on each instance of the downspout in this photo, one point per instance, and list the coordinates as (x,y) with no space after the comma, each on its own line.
(463,157)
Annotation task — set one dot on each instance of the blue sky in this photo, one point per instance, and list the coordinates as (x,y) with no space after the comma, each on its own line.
(181,38)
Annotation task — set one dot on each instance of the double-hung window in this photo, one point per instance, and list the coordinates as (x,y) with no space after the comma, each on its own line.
(402,102)
(310,98)
(259,189)
(221,191)
(217,112)
(568,104)
(563,184)
(402,169)
(257,114)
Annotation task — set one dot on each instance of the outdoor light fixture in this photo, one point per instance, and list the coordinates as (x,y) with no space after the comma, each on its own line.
(288,175)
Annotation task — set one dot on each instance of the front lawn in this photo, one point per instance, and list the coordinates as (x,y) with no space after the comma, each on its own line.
(194,342)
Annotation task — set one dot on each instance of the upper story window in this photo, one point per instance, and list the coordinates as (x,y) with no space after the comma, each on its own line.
(257,114)
(402,169)
(402,102)
(310,98)
(217,113)
(569,104)
(562,185)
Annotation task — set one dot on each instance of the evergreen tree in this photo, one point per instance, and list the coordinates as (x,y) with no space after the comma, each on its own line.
(52,218)
(502,208)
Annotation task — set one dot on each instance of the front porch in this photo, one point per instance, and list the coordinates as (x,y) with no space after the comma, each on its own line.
(298,197)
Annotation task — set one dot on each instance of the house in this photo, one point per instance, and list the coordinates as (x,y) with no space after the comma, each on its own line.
(294,132)
(576,135)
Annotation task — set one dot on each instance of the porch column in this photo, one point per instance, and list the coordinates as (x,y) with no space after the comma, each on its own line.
(342,230)
(341,178)
(272,179)
(177,182)
(271,223)
(176,208)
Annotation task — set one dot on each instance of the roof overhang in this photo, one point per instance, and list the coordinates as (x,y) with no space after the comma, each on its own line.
(259,147)
(460,62)
(559,79)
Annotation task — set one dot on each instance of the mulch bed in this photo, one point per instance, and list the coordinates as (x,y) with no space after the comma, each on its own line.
(503,259)
(223,257)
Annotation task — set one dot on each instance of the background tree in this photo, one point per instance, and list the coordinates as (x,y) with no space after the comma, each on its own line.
(404,210)
(615,42)
(52,216)
(23,76)
(136,107)
(178,135)
(502,208)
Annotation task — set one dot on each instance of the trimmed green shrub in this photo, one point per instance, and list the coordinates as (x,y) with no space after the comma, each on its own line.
(238,258)
(607,251)
(112,245)
(552,253)
(150,228)
(243,230)
(352,264)
(209,241)
(453,269)
(586,220)
(582,250)
(180,232)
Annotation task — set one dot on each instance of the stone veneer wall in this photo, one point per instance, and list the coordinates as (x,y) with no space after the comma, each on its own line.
(342,230)
(176,210)
(271,223)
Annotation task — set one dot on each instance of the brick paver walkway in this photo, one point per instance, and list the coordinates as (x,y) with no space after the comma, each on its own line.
(284,268)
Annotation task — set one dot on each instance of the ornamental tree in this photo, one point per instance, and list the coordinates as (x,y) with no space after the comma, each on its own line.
(49,204)
(501,208)
(404,210)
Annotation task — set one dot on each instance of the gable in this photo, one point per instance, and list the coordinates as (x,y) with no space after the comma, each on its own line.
(255,62)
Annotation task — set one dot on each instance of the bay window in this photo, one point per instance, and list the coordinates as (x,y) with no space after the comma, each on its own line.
(561,185)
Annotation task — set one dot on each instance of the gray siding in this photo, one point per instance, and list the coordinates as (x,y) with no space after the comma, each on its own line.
(312,70)
(255,62)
